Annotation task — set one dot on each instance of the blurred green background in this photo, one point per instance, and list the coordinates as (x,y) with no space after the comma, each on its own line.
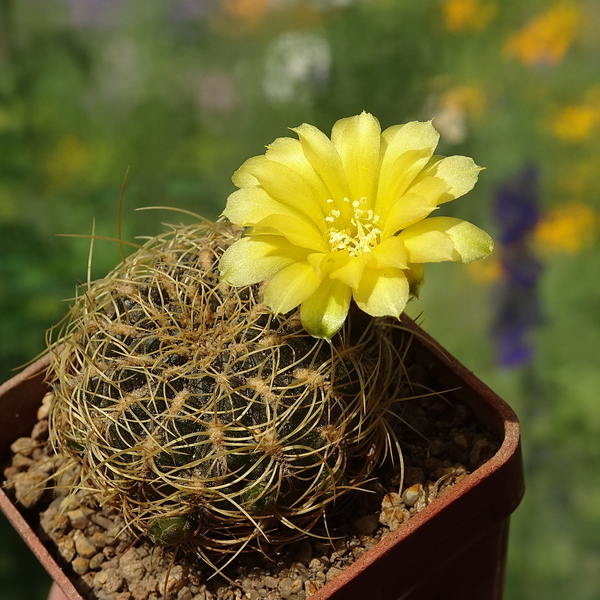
(185,90)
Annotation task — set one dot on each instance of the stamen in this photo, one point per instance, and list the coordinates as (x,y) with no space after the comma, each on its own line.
(360,236)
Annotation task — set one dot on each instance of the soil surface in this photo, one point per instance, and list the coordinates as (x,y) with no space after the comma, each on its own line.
(441,444)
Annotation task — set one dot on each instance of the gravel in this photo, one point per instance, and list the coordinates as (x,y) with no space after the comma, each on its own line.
(441,444)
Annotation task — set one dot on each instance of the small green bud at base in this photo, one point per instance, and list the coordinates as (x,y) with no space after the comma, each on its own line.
(172,531)
(258,499)
(73,444)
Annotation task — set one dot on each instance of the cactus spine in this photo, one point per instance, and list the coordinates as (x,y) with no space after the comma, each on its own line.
(206,418)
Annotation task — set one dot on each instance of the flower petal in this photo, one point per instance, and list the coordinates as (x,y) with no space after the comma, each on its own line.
(323,313)
(325,262)
(410,209)
(351,271)
(254,259)
(390,253)
(243,176)
(248,206)
(286,185)
(382,292)
(432,188)
(459,172)
(288,151)
(406,150)
(297,230)
(357,140)
(290,287)
(445,238)
(325,160)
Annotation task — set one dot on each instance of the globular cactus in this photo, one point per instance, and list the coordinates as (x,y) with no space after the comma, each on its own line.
(202,415)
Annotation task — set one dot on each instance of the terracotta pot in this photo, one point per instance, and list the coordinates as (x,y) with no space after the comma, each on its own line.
(455,548)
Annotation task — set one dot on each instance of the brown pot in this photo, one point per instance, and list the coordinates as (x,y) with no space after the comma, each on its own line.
(455,548)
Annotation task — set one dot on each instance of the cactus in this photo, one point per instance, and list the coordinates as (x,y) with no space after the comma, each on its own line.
(207,419)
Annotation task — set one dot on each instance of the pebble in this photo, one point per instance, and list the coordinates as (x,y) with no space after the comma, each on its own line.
(483,450)
(299,569)
(357,552)
(80,565)
(247,584)
(23,445)
(78,518)
(311,587)
(318,564)
(11,472)
(393,513)
(131,566)
(21,462)
(437,448)
(460,446)
(99,539)
(184,594)
(138,590)
(461,414)
(320,577)
(102,521)
(40,431)
(84,546)
(53,522)
(366,525)
(112,534)
(412,494)
(174,579)
(333,572)
(96,561)
(44,409)
(67,503)
(288,586)
(30,487)
(109,581)
(66,548)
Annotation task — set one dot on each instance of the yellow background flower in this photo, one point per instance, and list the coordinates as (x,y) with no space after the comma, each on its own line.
(547,37)
(579,121)
(570,227)
(345,218)
(467,15)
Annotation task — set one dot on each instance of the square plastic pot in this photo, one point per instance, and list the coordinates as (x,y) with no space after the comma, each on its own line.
(454,549)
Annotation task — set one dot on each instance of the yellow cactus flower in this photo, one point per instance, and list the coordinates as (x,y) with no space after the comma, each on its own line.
(331,220)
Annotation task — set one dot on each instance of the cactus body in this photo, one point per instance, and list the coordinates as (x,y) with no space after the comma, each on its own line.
(202,415)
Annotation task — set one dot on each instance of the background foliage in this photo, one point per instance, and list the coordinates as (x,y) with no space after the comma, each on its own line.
(185,90)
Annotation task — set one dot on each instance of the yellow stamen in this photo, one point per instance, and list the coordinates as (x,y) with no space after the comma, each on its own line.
(360,234)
